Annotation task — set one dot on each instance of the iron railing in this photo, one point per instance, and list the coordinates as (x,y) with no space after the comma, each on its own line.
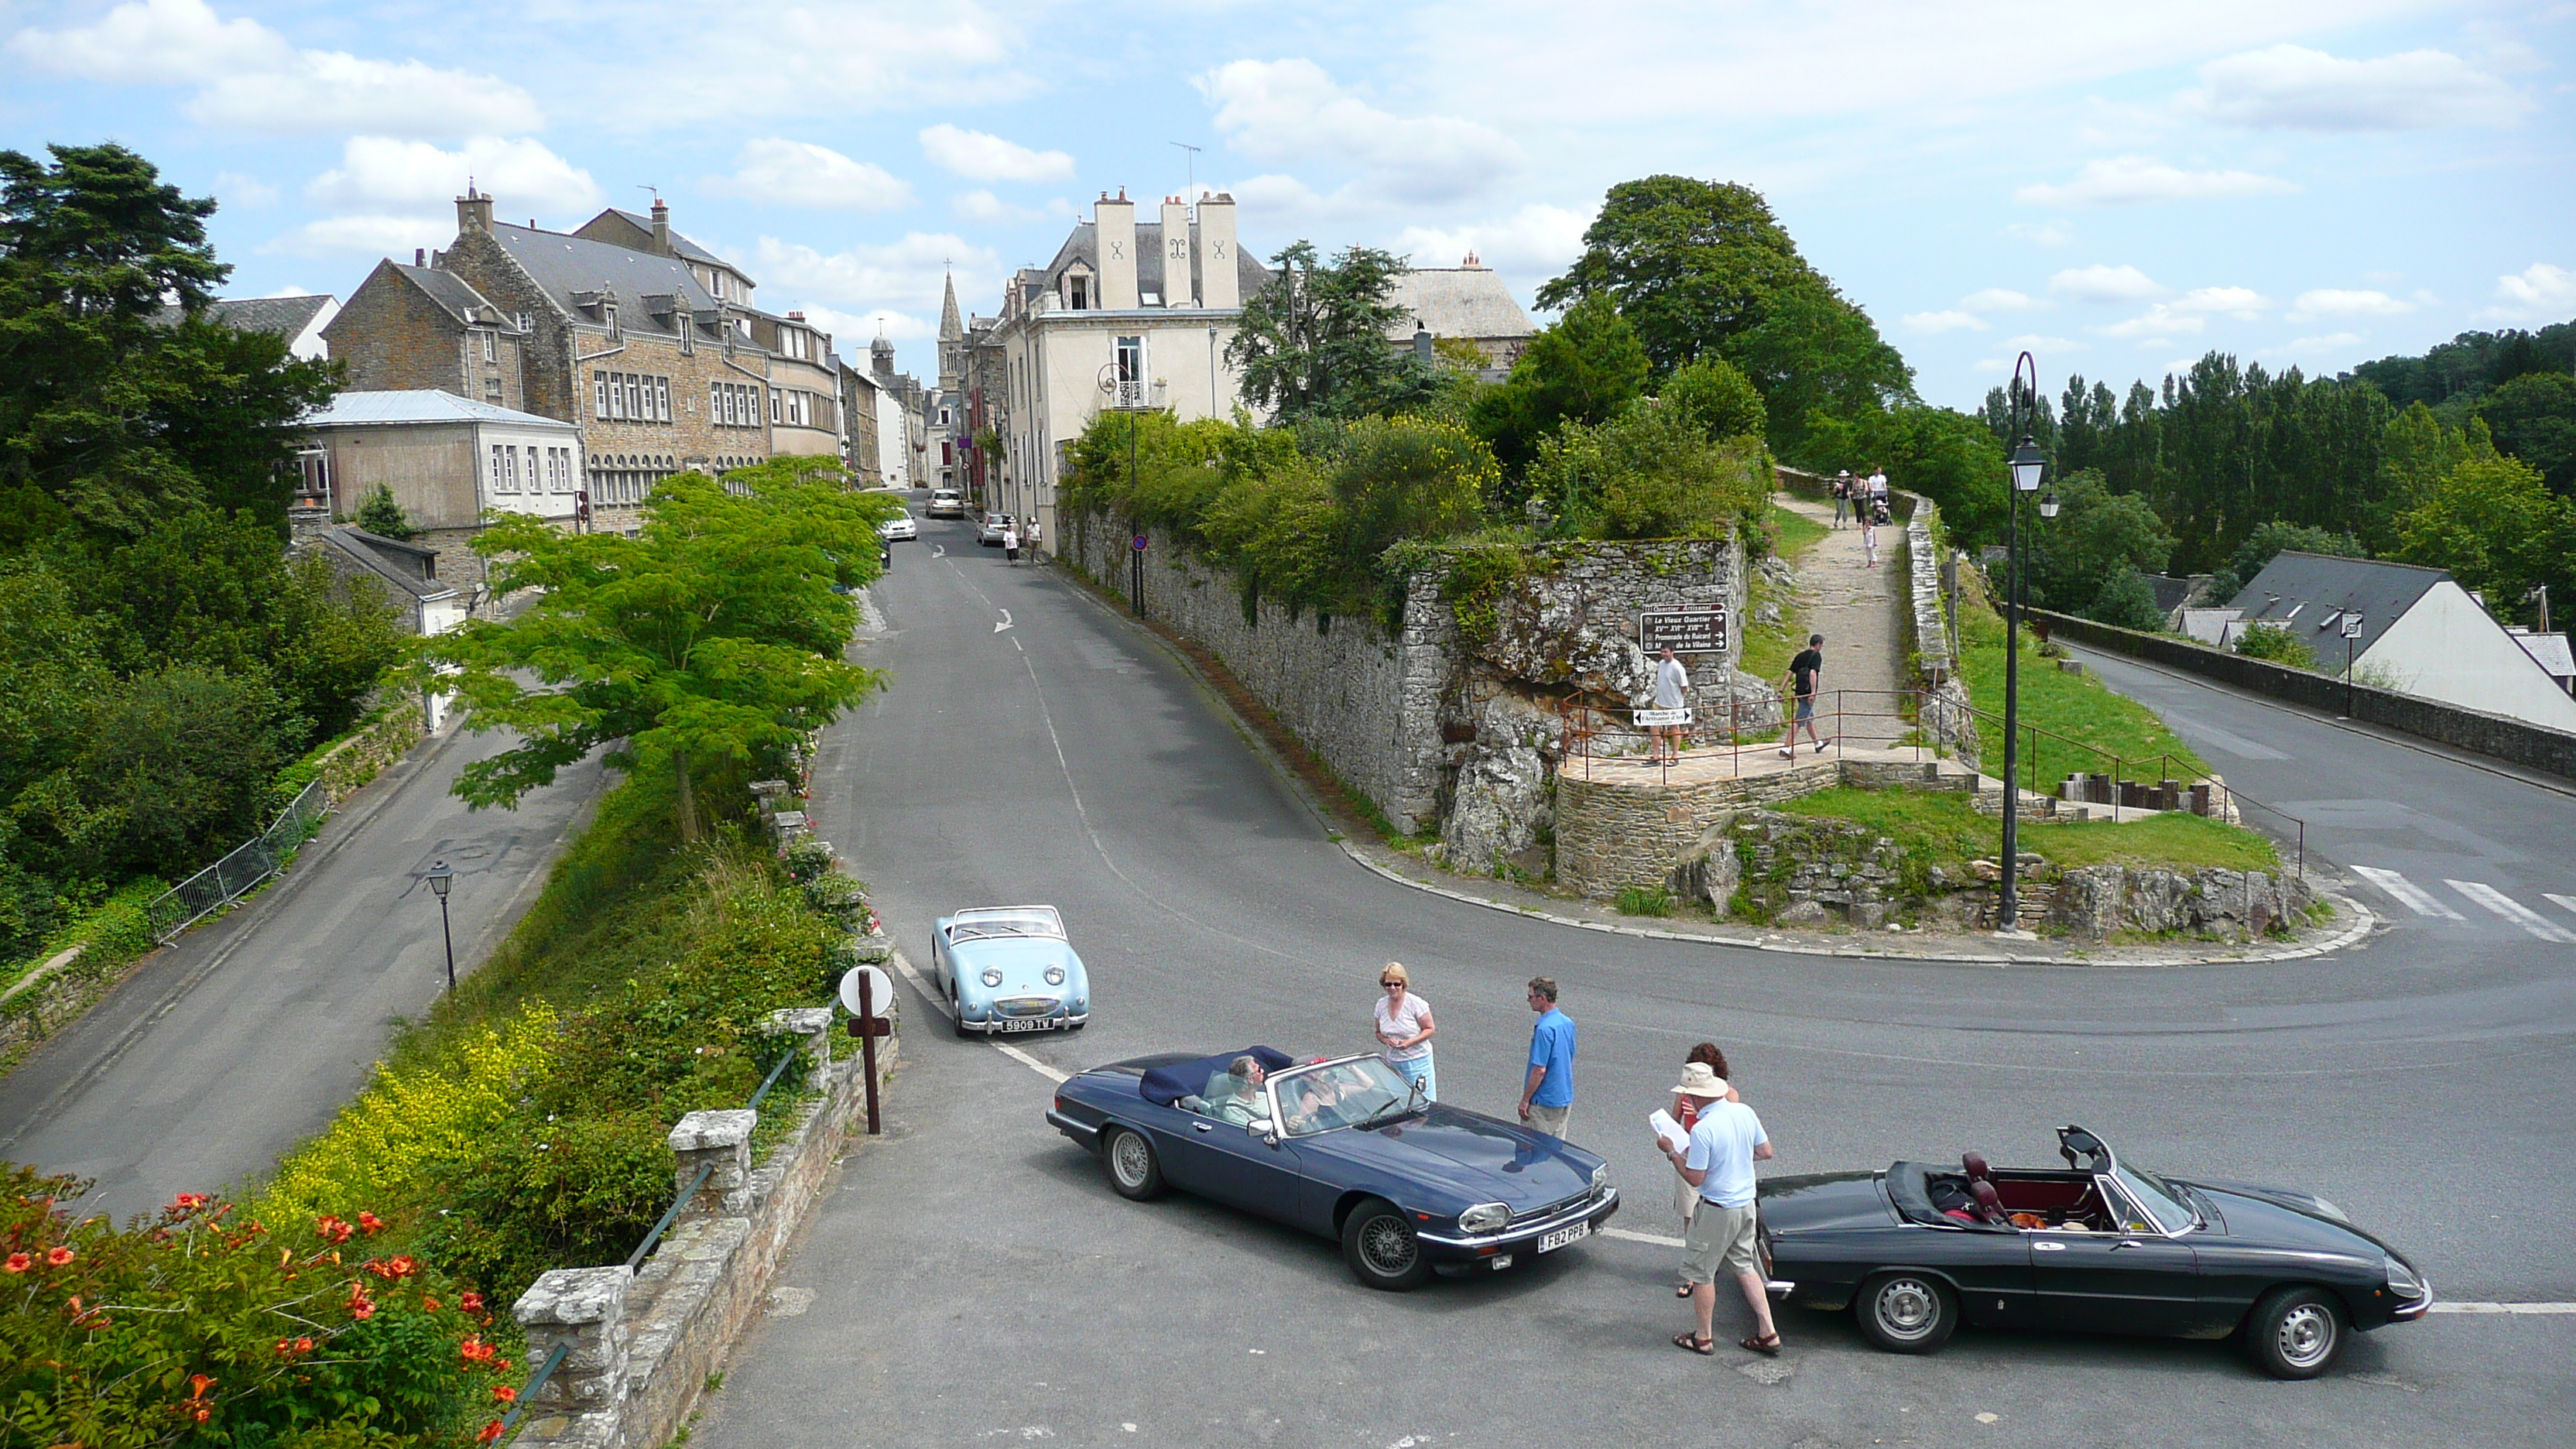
(244,867)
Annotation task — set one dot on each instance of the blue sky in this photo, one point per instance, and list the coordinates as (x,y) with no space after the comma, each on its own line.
(2117,187)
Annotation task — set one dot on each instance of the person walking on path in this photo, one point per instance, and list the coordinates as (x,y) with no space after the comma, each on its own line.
(1672,691)
(1806,676)
(1704,1058)
(1842,496)
(1869,533)
(1547,1093)
(1718,1161)
(1404,1028)
(1011,541)
(1878,488)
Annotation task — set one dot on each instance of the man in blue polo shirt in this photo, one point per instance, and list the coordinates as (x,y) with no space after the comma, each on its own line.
(1547,1096)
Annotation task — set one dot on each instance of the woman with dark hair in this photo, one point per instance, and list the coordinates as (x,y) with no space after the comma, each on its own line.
(1685,1110)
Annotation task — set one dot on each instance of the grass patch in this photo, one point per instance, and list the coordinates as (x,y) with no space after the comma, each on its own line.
(2099,722)
(1798,532)
(1768,648)
(1943,829)
(1644,901)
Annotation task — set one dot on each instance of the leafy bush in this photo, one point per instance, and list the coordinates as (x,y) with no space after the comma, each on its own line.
(200,1328)
(2271,641)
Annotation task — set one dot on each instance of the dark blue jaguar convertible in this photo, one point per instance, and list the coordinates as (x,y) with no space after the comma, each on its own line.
(1344,1148)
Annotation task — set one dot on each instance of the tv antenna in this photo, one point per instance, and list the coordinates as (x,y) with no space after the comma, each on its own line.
(1190,169)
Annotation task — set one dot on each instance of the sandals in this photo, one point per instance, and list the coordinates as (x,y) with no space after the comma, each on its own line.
(1684,1291)
(1767,1347)
(1692,1342)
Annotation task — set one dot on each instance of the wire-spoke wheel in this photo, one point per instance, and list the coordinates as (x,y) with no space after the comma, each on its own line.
(1133,1172)
(1381,1248)
(1906,1312)
(2295,1333)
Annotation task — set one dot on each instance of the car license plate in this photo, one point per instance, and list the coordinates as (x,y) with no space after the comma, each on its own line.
(1563,1236)
(1025,1023)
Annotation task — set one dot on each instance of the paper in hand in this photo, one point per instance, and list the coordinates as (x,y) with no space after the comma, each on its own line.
(1667,1129)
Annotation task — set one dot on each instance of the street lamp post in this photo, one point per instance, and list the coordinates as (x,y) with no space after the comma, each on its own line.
(2027,464)
(440,880)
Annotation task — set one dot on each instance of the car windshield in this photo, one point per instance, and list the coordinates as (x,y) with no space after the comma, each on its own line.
(1344,1094)
(2160,1201)
(976,925)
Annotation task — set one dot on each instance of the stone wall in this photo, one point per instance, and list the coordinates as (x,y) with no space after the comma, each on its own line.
(1368,705)
(1611,835)
(2497,736)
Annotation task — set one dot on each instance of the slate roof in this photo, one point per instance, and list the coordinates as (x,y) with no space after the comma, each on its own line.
(2171,592)
(285,317)
(1456,302)
(1083,244)
(564,265)
(456,297)
(2550,649)
(2307,593)
(423,405)
(375,554)
(679,243)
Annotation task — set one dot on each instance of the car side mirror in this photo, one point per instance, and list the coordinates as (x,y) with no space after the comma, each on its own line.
(1265,1128)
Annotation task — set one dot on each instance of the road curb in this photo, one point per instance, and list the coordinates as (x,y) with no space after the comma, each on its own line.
(2363,919)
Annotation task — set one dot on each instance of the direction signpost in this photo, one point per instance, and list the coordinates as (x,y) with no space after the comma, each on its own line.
(1700,630)
(869,994)
(2351,631)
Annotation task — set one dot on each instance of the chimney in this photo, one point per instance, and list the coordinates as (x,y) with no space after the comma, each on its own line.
(1177,286)
(661,227)
(1421,342)
(1114,226)
(1220,285)
(473,212)
(307,520)
(420,256)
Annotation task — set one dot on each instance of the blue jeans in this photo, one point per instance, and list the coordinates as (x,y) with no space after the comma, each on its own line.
(1421,1072)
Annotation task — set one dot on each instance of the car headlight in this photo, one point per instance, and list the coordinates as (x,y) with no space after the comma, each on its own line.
(1601,1177)
(2401,1279)
(1485,1217)
(992,975)
(1055,976)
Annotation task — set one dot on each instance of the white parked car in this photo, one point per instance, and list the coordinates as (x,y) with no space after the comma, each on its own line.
(899,528)
(947,503)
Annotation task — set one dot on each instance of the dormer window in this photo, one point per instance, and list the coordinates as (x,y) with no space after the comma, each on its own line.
(608,315)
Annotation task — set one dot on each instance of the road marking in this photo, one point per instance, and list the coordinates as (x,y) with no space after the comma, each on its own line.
(1658,1239)
(935,999)
(2567,902)
(939,550)
(2513,910)
(2406,893)
(1005,624)
(1032,1063)
(2524,1309)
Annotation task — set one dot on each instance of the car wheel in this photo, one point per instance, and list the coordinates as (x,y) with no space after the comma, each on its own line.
(957,1017)
(2295,1333)
(1906,1312)
(1129,1159)
(1381,1247)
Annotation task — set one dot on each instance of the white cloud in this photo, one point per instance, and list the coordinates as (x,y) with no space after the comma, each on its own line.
(250,79)
(2046,233)
(983,206)
(386,174)
(1288,111)
(800,173)
(1999,299)
(2332,342)
(2099,283)
(1536,240)
(2337,302)
(2536,291)
(1938,322)
(980,157)
(2242,303)
(2156,326)
(2137,180)
(370,235)
(2036,344)
(901,276)
(2291,87)
(233,188)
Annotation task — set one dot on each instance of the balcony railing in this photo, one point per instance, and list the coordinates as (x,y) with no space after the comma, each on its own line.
(1124,393)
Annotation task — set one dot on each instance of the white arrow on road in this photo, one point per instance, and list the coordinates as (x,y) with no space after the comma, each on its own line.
(939,550)
(1005,624)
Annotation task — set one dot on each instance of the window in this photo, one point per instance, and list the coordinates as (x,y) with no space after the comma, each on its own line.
(598,393)
(777,406)
(608,314)
(1131,359)
(491,346)
(662,399)
(527,323)
(496,469)
(510,469)
(634,400)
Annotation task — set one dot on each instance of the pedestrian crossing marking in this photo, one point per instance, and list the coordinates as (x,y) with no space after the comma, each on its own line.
(2406,893)
(2513,910)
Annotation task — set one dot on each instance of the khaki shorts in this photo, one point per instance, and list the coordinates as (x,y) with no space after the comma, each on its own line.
(1718,1238)
(1550,1120)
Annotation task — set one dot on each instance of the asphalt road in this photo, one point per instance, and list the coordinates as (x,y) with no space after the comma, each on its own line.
(242,1038)
(971,1278)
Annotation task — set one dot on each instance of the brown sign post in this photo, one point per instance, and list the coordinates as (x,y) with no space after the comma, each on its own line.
(869,994)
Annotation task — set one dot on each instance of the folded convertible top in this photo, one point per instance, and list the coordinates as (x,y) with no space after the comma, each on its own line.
(1167,1085)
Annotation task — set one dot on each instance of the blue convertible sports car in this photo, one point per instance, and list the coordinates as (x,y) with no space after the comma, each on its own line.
(1343,1148)
(1008,969)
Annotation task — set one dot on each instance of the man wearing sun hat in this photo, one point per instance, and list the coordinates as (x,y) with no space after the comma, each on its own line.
(1724,1144)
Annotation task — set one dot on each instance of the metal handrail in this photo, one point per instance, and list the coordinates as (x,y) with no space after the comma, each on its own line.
(772,1079)
(687,1194)
(536,1383)
(240,869)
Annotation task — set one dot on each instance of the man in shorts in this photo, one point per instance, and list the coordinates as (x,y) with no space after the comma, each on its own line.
(1724,1144)
(1806,676)
(1672,691)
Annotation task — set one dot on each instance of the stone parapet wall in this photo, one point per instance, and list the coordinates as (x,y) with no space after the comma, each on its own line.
(1366,704)
(1611,835)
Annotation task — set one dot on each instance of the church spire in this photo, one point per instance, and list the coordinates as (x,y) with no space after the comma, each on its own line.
(950,329)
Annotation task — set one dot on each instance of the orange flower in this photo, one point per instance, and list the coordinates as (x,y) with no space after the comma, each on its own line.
(332,1229)
(475,1350)
(187,1202)
(198,1384)
(505,1393)
(362,1310)
(303,1345)
(472,1302)
(490,1432)
(371,1223)
(428,1304)
(21,1262)
(204,1414)
(404,1266)
(59,1256)
(286,1345)
(500,1365)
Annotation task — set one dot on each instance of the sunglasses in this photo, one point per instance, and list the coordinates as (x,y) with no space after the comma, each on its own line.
(1390,983)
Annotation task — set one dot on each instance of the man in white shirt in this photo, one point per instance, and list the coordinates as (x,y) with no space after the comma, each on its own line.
(1724,1144)
(1672,691)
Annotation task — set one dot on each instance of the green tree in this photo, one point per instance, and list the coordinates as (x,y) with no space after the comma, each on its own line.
(700,649)
(1313,343)
(1407,478)
(1689,263)
(2126,601)
(2497,528)
(2533,417)
(1651,473)
(2098,539)
(118,416)
(1717,397)
(1822,368)
(1584,367)
(2273,642)
(379,513)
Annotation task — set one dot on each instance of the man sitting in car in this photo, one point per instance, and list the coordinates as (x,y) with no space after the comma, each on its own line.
(1234,1095)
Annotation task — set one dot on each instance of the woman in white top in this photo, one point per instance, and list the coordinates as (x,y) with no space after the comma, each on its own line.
(1404,1029)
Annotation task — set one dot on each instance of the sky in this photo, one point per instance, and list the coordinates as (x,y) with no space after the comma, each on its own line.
(2117,188)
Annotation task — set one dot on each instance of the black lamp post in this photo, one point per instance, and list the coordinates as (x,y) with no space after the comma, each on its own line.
(440,880)
(2027,463)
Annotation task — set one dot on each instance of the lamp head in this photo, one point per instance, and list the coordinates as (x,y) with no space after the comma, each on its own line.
(2027,462)
(440,878)
(2048,504)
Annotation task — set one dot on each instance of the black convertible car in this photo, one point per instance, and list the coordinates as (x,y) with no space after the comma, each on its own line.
(1343,1148)
(2098,1247)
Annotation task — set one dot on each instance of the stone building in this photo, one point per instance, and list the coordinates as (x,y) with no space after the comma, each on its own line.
(449,461)
(1467,302)
(414,327)
(859,412)
(1130,314)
